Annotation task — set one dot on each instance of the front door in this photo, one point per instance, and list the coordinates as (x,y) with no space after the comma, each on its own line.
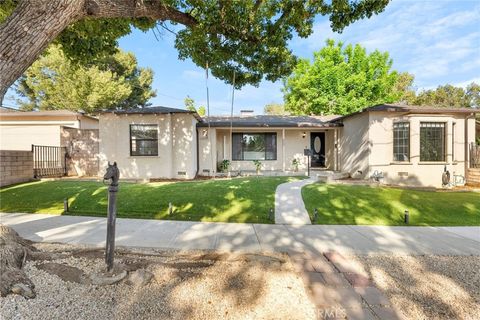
(317,145)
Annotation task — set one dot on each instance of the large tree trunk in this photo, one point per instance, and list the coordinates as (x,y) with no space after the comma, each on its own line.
(36,23)
(28,31)
(13,253)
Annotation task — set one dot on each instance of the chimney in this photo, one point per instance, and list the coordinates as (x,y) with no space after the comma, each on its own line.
(246,113)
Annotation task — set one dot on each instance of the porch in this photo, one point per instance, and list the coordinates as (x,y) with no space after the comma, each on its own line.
(281,151)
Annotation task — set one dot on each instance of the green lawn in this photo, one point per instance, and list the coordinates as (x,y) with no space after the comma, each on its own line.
(235,200)
(364,205)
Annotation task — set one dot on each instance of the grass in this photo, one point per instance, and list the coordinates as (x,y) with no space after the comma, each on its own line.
(364,205)
(235,200)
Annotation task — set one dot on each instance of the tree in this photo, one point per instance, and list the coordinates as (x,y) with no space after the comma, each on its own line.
(473,95)
(342,80)
(446,96)
(114,82)
(190,105)
(249,37)
(275,109)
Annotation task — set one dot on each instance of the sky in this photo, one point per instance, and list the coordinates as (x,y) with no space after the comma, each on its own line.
(438,41)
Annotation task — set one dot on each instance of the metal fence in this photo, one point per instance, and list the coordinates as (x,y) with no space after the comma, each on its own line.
(474,155)
(49,161)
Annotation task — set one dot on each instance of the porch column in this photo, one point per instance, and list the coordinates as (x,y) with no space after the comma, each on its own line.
(283,150)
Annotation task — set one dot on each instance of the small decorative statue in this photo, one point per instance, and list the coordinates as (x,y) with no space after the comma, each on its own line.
(112,174)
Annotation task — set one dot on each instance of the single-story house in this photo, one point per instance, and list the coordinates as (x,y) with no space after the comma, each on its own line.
(395,144)
(20,129)
(75,131)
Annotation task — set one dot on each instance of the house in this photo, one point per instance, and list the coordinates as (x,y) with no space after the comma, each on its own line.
(394,144)
(75,131)
(20,129)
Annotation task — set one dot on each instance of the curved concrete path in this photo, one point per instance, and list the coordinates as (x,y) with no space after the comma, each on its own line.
(289,206)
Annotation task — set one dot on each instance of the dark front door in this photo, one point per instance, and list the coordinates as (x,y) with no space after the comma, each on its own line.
(317,145)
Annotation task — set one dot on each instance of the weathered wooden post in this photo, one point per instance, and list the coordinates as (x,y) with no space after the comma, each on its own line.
(112,174)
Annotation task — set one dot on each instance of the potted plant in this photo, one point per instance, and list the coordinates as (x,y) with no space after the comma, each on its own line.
(224,165)
(258,165)
(295,163)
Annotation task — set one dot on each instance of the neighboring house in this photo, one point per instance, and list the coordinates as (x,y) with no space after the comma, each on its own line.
(20,129)
(404,145)
(75,131)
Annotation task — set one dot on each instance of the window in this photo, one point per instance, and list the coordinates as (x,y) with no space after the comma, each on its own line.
(401,141)
(432,141)
(143,140)
(254,146)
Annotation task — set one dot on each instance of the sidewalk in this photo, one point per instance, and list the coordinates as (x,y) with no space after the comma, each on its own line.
(248,237)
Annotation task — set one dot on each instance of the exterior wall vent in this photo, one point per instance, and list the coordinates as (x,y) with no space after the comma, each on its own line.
(402,174)
(182,173)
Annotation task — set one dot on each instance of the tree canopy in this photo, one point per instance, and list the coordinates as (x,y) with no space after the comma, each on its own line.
(343,79)
(275,109)
(190,105)
(448,96)
(249,37)
(113,82)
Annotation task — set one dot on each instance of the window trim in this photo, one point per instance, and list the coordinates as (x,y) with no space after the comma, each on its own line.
(445,144)
(265,139)
(453,141)
(130,138)
(408,144)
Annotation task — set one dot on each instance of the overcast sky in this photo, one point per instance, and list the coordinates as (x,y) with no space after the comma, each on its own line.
(437,41)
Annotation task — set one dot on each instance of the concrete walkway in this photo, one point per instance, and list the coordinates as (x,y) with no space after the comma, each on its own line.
(314,239)
(289,206)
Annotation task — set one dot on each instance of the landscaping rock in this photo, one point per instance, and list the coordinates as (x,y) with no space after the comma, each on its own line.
(105,279)
(140,278)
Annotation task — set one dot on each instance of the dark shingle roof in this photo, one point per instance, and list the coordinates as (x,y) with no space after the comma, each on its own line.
(272,121)
(155,110)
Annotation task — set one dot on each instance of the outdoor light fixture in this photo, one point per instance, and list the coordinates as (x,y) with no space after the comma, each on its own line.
(304,134)
(205,133)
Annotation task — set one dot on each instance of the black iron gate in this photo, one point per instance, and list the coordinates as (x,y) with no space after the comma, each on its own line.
(49,161)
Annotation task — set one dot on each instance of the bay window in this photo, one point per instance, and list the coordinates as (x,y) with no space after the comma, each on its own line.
(432,141)
(401,141)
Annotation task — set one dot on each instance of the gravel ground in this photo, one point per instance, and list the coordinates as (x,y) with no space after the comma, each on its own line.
(186,285)
(428,287)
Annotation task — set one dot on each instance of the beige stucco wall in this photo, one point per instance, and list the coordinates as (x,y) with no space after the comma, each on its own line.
(415,172)
(354,146)
(366,144)
(21,137)
(288,148)
(176,146)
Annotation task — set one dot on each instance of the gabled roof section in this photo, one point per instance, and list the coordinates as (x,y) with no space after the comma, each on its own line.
(411,109)
(29,115)
(155,110)
(270,121)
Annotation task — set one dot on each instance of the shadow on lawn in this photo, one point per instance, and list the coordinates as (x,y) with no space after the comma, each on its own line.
(361,205)
(236,200)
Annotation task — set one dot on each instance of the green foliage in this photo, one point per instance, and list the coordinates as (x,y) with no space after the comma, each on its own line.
(224,165)
(258,165)
(449,96)
(114,82)
(341,80)
(275,109)
(190,105)
(249,36)
(295,163)
(202,111)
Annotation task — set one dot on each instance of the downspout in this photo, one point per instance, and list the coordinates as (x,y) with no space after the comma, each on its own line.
(198,152)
